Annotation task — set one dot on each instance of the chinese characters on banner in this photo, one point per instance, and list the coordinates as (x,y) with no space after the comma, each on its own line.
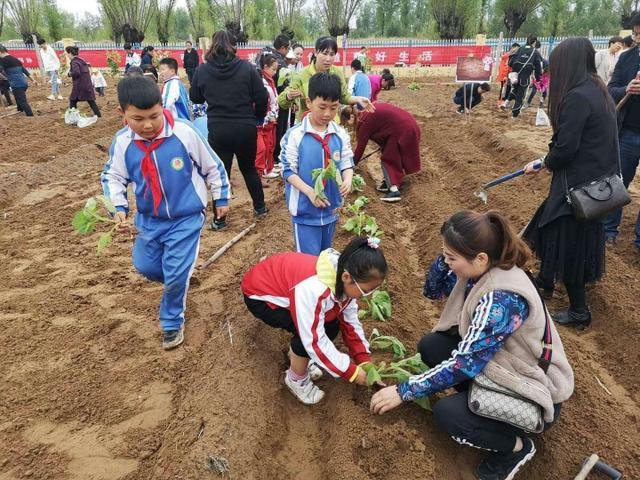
(432,55)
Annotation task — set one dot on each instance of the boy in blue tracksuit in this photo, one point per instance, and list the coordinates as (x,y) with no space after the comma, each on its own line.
(169,165)
(174,94)
(315,143)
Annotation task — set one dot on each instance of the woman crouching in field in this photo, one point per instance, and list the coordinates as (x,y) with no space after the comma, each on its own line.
(494,334)
(314,298)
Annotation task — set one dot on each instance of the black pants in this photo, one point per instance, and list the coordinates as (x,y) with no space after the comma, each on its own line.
(92,104)
(100,91)
(281,129)
(533,92)
(576,292)
(517,93)
(20,94)
(505,89)
(228,139)
(190,72)
(452,414)
(281,318)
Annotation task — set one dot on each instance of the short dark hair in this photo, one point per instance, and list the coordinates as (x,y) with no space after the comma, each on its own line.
(485,87)
(139,91)
(532,39)
(326,86)
(297,45)
(515,44)
(73,50)
(537,44)
(363,48)
(149,48)
(41,41)
(388,77)
(189,42)
(134,71)
(616,39)
(3,49)
(172,63)
(628,41)
(127,46)
(635,21)
(281,41)
(356,64)
(326,43)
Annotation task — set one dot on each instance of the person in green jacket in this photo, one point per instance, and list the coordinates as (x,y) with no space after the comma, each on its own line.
(322,61)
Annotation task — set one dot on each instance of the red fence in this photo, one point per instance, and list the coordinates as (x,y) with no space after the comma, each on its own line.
(431,55)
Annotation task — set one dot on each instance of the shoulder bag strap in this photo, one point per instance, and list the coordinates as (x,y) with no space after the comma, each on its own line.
(547,341)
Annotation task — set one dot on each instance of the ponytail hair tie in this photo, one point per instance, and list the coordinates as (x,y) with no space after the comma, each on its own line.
(373,242)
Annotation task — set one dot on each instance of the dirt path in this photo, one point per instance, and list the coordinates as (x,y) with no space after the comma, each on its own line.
(88,394)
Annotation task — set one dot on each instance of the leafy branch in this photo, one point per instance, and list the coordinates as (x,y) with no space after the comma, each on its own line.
(86,219)
(320,175)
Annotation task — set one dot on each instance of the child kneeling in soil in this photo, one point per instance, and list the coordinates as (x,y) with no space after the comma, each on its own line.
(494,328)
(469,95)
(314,298)
(170,165)
(313,144)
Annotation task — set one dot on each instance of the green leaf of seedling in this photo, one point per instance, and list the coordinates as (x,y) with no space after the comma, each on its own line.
(91,205)
(374,333)
(357,183)
(104,241)
(107,203)
(362,314)
(315,172)
(83,222)
(423,403)
(377,314)
(372,374)
(350,226)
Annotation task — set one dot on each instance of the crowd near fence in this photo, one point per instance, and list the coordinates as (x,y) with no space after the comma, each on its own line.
(381,52)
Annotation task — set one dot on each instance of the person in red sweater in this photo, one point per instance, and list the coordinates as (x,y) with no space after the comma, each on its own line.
(314,298)
(398,135)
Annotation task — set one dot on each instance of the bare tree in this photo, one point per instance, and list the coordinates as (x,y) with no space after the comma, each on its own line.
(26,16)
(198,11)
(232,11)
(452,16)
(337,14)
(516,12)
(163,18)
(129,18)
(628,9)
(287,11)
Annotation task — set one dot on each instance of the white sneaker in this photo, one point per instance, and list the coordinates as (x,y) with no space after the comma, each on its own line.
(315,372)
(51,97)
(270,175)
(60,97)
(305,391)
(85,122)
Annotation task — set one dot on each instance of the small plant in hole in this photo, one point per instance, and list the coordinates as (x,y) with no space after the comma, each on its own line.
(387,343)
(322,175)
(357,183)
(360,223)
(85,220)
(377,306)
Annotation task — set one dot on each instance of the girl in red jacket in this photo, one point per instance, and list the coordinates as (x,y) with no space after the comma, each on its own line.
(314,298)
(267,127)
(398,135)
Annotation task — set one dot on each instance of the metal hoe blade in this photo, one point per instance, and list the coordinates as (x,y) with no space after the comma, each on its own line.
(483,195)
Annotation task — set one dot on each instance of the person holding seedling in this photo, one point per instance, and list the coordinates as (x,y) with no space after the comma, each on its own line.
(494,343)
(398,135)
(170,165)
(314,298)
(317,166)
(175,97)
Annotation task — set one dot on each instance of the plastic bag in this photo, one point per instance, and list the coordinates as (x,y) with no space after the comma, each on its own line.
(542,120)
(71,116)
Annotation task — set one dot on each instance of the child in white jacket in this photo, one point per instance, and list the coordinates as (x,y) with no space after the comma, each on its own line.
(51,65)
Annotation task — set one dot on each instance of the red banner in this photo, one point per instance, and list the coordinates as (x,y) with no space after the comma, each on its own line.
(435,55)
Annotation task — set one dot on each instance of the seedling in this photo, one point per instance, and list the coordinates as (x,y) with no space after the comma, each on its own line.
(387,343)
(85,220)
(357,183)
(414,86)
(361,223)
(378,306)
(321,175)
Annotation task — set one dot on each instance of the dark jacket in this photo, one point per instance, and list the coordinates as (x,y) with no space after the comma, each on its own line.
(584,145)
(468,92)
(232,89)
(626,70)
(146,59)
(526,61)
(191,59)
(82,89)
(15,72)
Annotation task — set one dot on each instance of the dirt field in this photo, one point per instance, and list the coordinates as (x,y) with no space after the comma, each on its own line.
(87,393)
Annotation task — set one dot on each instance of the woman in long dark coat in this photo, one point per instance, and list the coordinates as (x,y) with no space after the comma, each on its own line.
(584,148)
(82,89)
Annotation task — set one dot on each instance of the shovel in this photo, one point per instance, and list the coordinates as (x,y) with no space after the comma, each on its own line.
(483,193)
(594,463)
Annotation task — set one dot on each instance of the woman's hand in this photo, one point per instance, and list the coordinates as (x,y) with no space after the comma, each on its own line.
(533,167)
(364,103)
(385,400)
(294,93)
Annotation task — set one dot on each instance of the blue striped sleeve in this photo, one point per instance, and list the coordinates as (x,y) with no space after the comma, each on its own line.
(498,314)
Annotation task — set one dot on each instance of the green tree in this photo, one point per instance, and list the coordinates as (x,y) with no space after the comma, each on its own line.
(366,20)
(555,12)
(516,12)
(452,17)
(26,16)
(3,5)
(385,10)
(89,27)
(54,20)
(181,25)
(164,12)
(337,14)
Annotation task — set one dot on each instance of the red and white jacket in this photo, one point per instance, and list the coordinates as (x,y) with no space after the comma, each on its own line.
(305,285)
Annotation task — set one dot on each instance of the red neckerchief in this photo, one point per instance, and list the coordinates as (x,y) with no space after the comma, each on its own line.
(325,147)
(148,166)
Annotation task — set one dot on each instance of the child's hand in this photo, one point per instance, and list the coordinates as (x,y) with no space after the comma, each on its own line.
(221,212)
(361,379)
(315,200)
(122,225)
(345,188)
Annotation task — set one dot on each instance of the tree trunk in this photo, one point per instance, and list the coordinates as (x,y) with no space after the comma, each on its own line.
(2,5)
(513,21)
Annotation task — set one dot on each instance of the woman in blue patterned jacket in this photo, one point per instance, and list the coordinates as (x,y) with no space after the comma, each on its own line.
(493,323)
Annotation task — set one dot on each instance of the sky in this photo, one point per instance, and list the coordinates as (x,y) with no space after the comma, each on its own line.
(91,6)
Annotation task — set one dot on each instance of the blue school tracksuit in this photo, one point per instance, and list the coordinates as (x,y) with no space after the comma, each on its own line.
(176,99)
(313,228)
(166,247)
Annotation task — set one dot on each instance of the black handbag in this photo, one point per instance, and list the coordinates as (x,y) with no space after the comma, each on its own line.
(596,199)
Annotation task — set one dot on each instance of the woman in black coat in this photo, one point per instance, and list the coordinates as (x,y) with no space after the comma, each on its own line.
(584,147)
(236,102)
(82,89)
